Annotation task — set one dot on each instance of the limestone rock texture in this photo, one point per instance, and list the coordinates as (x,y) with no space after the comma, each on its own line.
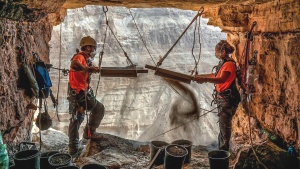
(275,105)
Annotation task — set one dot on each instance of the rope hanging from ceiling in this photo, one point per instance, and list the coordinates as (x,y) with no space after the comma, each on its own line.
(176,75)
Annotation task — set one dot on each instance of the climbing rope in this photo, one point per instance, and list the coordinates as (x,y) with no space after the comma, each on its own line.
(59,66)
(105,10)
(250,135)
(141,36)
(86,113)
(208,111)
(200,45)
(40,117)
(128,59)
(199,13)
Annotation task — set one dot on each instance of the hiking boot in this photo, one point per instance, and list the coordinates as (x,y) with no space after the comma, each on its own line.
(74,150)
(93,135)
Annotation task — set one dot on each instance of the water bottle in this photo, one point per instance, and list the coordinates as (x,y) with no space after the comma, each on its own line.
(291,150)
(4,160)
(1,140)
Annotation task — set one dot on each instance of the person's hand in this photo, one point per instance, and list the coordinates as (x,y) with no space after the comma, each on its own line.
(93,69)
(200,79)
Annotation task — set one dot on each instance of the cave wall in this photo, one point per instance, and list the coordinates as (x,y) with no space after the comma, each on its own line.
(15,118)
(275,104)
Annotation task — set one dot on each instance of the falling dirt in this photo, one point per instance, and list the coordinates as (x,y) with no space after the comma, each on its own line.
(185,107)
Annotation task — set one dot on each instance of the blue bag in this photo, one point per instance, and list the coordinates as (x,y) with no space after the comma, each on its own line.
(43,79)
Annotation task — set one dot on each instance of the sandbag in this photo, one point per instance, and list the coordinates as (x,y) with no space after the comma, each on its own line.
(43,121)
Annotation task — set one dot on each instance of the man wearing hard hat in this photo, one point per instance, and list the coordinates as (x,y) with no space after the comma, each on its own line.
(83,97)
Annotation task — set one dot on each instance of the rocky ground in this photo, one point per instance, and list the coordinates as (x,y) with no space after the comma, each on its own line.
(115,152)
(119,153)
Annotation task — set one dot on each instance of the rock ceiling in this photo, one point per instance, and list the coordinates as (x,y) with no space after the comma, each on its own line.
(35,10)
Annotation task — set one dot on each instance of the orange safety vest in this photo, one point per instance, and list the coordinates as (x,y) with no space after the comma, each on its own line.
(79,80)
(228,67)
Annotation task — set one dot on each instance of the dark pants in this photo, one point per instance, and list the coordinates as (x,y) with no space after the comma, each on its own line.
(95,117)
(226,112)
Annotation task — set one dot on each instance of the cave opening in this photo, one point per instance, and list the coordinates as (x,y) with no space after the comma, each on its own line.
(141,108)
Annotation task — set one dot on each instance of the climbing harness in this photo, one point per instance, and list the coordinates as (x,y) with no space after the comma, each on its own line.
(231,94)
(171,74)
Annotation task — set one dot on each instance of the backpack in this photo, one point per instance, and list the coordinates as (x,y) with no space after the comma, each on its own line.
(43,79)
(26,79)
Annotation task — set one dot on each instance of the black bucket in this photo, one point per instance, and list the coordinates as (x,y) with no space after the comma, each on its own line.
(175,156)
(154,147)
(68,167)
(60,160)
(188,145)
(93,166)
(44,159)
(27,159)
(219,159)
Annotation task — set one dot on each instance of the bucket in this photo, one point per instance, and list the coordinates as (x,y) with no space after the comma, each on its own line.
(44,159)
(27,159)
(188,145)
(175,156)
(219,159)
(154,147)
(68,167)
(59,160)
(93,166)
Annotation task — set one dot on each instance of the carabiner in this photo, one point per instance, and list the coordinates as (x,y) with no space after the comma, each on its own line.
(65,72)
